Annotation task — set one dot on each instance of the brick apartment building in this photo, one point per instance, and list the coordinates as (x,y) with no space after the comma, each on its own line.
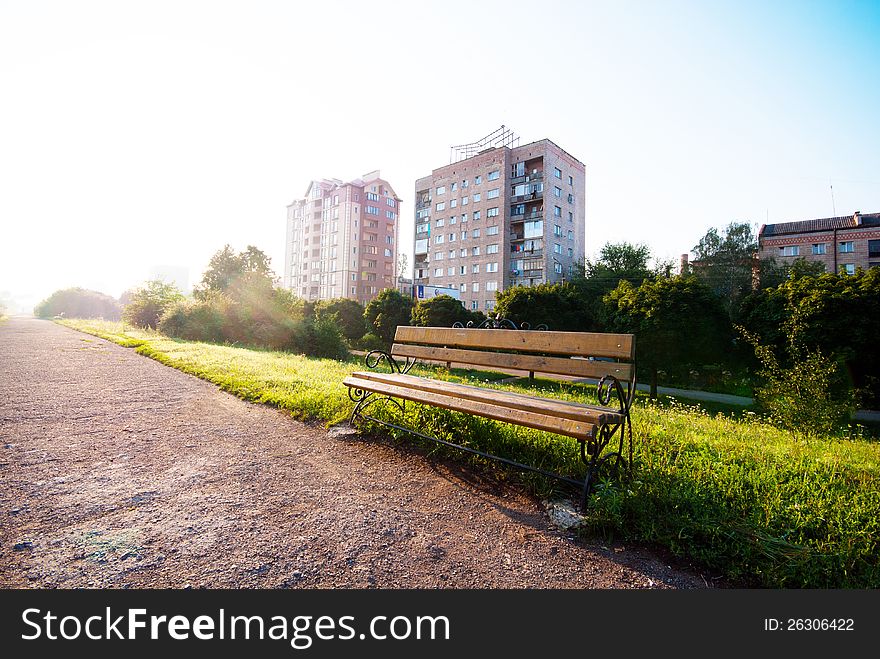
(342,239)
(500,216)
(847,242)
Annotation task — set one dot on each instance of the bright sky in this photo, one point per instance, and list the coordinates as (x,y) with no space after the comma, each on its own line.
(140,134)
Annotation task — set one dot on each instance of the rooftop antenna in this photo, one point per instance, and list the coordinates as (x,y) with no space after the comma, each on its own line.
(500,137)
(833,209)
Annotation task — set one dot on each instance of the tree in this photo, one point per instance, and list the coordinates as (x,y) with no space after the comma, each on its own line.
(149,302)
(556,305)
(677,322)
(725,262)
(443,311)
(386,311)
(227,266)
(79,303)
(595,279)
(347,314)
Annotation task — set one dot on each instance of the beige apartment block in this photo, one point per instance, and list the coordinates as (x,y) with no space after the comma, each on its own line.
(342,239)
(839,243)
(504,216)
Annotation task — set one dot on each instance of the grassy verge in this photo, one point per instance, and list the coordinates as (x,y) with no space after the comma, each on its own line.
(730,492)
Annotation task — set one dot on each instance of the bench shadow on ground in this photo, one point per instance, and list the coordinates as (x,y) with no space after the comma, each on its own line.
(492,486)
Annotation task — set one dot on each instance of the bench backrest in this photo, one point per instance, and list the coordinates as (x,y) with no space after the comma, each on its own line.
(560,353)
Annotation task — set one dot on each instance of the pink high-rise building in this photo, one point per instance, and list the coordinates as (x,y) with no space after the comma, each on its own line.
(342,239)
(500,215)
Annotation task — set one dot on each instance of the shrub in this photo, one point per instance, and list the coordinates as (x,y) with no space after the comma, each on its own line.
(318,338)
(149,302)
(808,398)
(347,314)
(443,311)
(559,306)
(370,342)
(196,320)
(386,311)
(79,303)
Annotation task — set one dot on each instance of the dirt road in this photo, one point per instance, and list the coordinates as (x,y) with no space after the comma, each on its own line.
(117,471)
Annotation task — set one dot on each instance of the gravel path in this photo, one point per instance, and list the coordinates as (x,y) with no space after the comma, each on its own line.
(120,472)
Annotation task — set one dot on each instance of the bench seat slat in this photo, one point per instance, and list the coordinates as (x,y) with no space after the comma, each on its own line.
(572,428)
(566,409)
(583,344)
(532,363)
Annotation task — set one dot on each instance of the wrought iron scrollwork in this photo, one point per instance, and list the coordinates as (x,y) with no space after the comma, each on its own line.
(499,323)
(363,398)
(376,357)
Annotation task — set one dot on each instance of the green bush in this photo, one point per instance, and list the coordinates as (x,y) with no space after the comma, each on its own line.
(386,311)
(443,311)
(149,302)
(370,342)
(79,303)
(318,338)
(347,314)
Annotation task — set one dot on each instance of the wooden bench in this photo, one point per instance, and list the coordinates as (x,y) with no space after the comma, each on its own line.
(601,430)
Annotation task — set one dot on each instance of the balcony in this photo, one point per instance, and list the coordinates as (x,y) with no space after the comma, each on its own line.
(530,196)
(528,217)
(527,178)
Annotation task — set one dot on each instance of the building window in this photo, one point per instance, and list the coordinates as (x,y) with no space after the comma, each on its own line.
(477,181)
(438,272)
(558,268)
(372,210)
(438,240)
(570,198)
(493,193)
(570,234)
(557,211)
(441,189)
(464,217)
(438,256)
(372,196)
(451,253)
(390,202)
(819,248)
(464,200)
(492,267)
(493,176)
(570,180)
(557,230)
(491,285)
(475,286)
(492,231)
(462,252)
(557,172)
(477,197)
(847,247)
(440,222)
(491,212)
(475,251)
(790,250)
(475,269)
(490,304)
(464,235)
(492,249)
(441,206)
(452,220)
(476,215)
(453,203)
(474,305)
(452,237)
(462,288)
(849,268)
(475,233)
(873,249)
(464,183)
(454,187)
(450,270)
(570,216)
(557,248)
(557,191)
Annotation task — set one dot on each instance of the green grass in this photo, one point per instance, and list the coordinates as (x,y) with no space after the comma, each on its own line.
(722,488)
